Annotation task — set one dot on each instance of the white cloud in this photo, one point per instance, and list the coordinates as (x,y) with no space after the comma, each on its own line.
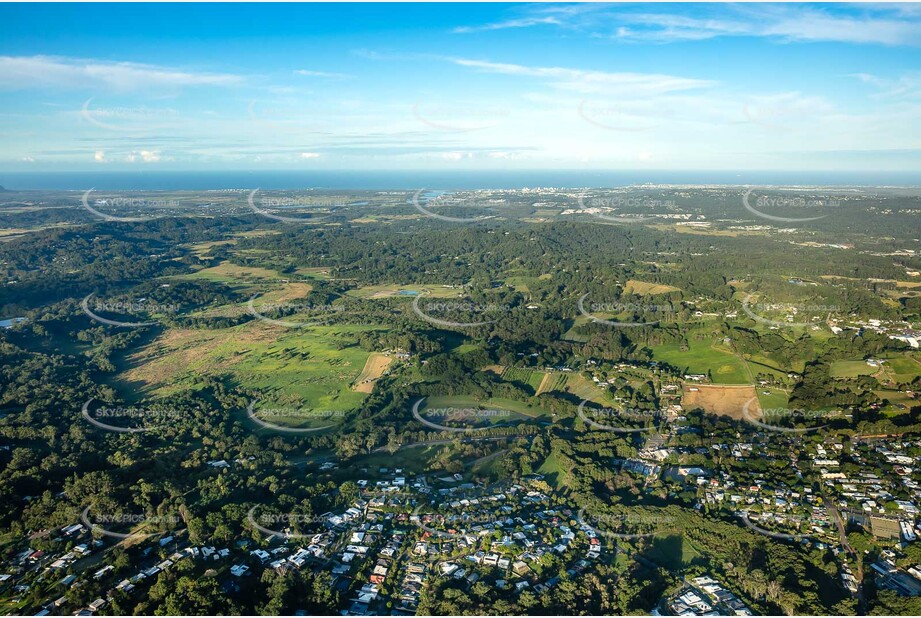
(28,159)
(885,24)
(524,22)
(21,72)
(309,73)
(310,155)
(587,81)
(456,156)
(147,156)
(100,156)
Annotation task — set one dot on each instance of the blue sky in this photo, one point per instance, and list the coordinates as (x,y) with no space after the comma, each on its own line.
(466,87)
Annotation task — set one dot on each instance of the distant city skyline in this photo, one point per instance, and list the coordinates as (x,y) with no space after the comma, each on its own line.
(460,87)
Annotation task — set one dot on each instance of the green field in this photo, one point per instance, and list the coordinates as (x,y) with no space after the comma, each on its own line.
(903,369)
(531,377)
(674,552)
(584,388)
(704,357)
(851,369)
(522,409)
(553,472)
(287,366)
(777,399)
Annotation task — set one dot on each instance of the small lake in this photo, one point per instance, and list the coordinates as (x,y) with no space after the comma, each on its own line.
(11,322)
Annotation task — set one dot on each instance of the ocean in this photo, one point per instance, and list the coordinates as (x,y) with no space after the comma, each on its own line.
(445,180)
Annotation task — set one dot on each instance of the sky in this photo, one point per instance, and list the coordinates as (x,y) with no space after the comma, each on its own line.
(122,87)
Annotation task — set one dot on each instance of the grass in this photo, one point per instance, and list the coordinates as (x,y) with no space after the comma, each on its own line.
(851,369)
(777,399)
(674,552)
(225,272)
(531,377)
(521,408)
(704,357)
(313,367)
(387,290)
(642,288)
(903,369)
(553,472)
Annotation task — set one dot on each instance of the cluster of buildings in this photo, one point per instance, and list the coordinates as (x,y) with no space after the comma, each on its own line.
(704,596)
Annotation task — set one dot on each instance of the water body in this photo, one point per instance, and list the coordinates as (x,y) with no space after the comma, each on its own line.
(11,322)
(450,180)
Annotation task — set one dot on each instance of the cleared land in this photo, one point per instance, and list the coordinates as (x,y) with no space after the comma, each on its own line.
(522,409)
(288,366)
(231,273)
(389,290)
(375,366)
(704,356)
(642,288)
(721,400)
